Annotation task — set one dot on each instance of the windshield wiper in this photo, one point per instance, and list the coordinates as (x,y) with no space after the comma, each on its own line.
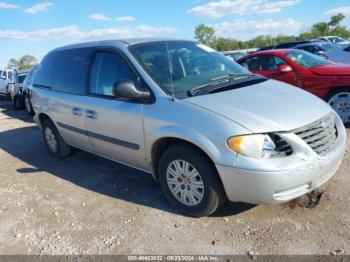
(216,80)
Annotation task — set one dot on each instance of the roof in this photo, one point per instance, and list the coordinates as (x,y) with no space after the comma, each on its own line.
(118,42)
(273,51)
(22,72)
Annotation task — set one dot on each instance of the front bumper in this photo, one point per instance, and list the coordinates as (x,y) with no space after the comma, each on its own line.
(282,180)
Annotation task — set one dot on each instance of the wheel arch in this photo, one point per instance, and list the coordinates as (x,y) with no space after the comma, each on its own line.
(335,90)
(161,144)
(42,117)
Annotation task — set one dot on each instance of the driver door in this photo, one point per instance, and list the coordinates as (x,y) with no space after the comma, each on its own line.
(273,71)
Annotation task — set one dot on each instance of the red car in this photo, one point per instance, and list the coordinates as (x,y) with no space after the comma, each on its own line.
(310,72)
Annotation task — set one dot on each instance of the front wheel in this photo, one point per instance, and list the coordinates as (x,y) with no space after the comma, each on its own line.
(189,181)
(340,102)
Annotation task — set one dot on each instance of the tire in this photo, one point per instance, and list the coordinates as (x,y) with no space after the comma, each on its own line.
(28,105)
(8,94)
(17,102)
(339,100)
(205,199)
(53,140)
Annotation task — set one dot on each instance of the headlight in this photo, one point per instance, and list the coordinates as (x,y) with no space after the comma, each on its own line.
(259,146)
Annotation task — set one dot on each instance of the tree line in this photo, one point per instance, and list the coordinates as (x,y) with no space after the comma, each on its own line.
(206,34)
(25,62)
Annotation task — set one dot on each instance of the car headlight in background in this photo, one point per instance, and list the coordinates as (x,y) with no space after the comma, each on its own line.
(259,146)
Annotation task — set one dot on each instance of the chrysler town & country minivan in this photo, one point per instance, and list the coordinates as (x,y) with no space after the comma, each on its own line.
(205,128)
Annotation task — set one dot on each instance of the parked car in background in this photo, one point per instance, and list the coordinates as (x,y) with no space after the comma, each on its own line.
(290,44)
(264,48)
(234,55)
(16,89)
(340,55)
(327,45)
(6,78)
(27,89)
(334,40)
(313,48)
(312,73)
(205,127)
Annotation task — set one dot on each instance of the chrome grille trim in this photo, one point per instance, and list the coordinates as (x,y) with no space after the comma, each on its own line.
(321,135)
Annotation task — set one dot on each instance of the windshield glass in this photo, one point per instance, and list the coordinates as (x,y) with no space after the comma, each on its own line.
(306,59)
(328,46)
(182,65)
(20,78)
(236,56)
(336,40)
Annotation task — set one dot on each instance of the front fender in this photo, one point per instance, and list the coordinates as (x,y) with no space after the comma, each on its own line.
(194,137)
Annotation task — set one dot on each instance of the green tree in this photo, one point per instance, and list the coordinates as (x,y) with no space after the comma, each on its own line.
(205,34)
(25,62)
(225,44)
(13,64)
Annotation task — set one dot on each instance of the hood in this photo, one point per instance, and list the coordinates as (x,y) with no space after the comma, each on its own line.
(333,69)
(266,107)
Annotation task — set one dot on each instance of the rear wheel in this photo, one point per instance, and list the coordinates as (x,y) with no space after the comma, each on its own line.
(340,102)
(189,181)
(54,142)
(28,105)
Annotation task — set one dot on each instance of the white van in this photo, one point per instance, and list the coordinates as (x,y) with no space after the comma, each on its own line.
(6,78)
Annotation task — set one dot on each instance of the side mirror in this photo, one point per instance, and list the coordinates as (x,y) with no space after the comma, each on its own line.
(127,89)
(285,68)
(2,78)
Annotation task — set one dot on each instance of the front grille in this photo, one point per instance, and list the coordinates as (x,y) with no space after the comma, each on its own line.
(321,135)
(282,147)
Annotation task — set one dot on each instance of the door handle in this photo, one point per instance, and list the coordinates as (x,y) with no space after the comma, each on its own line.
(91,114)
(77,111)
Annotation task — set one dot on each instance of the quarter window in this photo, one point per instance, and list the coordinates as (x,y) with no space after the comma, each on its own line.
(43,76)
(70,74)
(108,69)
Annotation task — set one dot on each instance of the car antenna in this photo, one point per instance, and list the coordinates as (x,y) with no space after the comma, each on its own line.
(170,61)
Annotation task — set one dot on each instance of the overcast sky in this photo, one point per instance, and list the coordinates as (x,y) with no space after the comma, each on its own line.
(35,27)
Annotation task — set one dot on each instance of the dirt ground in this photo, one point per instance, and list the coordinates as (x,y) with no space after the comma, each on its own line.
(88,205)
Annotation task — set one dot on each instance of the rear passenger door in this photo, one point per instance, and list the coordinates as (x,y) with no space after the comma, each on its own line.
(114,125)
(64,82)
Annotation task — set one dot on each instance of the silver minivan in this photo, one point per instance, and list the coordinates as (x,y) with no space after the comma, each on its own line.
(205,128)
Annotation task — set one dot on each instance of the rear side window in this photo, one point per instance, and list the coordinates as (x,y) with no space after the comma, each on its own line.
(70,74)
(108,69)
(43,74)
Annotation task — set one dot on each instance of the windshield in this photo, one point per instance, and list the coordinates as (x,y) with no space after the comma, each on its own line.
(20,78)
(328,46)
(336,40)
(236,56)
(182,66)
(306,59)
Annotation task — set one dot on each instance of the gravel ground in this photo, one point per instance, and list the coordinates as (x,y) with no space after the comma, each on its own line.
(88,205)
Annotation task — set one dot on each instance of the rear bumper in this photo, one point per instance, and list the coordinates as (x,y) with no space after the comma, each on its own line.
(260,187)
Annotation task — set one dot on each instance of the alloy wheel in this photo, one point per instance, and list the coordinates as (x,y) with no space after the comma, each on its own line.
(185,182)
(50,138)
(340,102)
